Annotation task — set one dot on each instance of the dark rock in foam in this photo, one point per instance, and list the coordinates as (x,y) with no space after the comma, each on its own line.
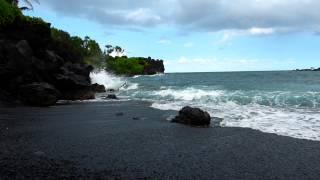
(193,116)
(98,88)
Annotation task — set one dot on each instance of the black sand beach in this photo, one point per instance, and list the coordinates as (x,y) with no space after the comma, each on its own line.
(96,141)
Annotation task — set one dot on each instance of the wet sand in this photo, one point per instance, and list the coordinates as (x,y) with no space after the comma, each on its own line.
(130,140)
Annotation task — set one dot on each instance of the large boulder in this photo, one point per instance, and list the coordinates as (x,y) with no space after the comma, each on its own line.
(39,94)
(78,94)
(24,48)
(193,116)
(35,31)
(73,76)
(98,88)
(28,55)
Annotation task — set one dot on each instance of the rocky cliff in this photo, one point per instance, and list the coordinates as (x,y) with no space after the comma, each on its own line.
(153,67)
(37,71)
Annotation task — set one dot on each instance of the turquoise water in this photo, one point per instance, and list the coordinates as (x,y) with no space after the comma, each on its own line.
(275,89)
(284,102)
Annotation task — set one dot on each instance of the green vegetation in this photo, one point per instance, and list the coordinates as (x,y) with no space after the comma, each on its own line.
(8,13)
(87,48)
(126,66)
(71,48)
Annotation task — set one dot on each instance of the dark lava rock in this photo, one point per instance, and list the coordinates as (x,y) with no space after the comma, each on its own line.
(154,67)
(39,94)
(193,116)
(98,88)
(112,96)
(120,114)
(24,48)
(28,55)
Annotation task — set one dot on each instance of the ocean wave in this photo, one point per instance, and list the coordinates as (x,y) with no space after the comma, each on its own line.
(130,86)
(276,110)
(204,96)
(298,123)
(109,80)
(136,76)
(187,94)
(154,75)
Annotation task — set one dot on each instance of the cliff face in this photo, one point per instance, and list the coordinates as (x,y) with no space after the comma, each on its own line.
(35,72)
(153,67)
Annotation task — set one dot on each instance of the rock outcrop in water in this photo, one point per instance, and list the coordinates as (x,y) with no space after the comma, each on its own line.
(311,69)
(39,72)
(153,67)
(193,116)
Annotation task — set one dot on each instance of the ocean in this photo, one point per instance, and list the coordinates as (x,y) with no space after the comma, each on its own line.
(282,102)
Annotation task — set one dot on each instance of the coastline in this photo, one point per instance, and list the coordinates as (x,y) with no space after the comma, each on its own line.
(130,140)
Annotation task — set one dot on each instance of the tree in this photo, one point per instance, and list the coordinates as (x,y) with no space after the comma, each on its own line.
(117,50)
(109,49)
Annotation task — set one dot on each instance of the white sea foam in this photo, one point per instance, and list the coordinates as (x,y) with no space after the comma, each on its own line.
(111,81)
(131,86)
(187,94)
(107,79)
(298,123)
(155,75)
(295,114)
(277,116)
(136,76)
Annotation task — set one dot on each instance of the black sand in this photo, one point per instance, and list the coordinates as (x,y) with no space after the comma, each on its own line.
(129,140)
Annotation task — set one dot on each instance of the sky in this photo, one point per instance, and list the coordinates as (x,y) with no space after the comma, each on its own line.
(198,35)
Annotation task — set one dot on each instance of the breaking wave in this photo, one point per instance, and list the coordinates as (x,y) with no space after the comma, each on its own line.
(284,113)
(253,101)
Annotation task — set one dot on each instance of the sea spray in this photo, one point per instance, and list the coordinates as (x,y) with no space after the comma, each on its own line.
(107,79)
(111,81)
(285,103)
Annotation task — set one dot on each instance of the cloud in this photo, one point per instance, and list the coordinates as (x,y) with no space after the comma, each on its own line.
(142,16)
(259,16)
(229,35)
(261,31)
(184,64)
(164,41)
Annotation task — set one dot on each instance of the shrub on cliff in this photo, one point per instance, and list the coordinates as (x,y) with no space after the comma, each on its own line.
(8,13)
(126,66)
(85,50)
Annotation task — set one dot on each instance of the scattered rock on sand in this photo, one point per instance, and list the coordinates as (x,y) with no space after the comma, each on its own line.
(120,114)
(39,153)
(193,116)
(112,96)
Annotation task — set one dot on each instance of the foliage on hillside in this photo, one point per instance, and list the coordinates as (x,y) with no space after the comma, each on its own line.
(71,48)
(8,13)
(87,49)
(126,66)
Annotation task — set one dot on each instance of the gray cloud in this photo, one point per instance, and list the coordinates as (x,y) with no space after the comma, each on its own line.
(203,15)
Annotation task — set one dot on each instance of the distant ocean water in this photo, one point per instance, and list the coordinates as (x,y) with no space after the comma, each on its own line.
(283,102)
